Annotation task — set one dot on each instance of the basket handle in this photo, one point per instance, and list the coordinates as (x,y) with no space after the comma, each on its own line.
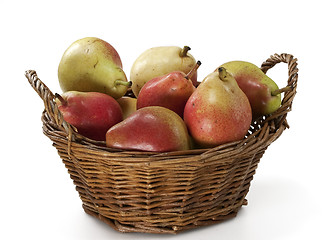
(285,58)
(290,89)
(49,103)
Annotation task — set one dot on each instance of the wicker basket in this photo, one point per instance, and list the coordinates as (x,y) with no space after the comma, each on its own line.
(164,192)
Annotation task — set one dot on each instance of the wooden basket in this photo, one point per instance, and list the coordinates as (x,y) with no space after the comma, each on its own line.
(164,192)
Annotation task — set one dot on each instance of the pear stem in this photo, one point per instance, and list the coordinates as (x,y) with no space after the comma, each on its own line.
(281,90)
(183,52)
(222,73)
(121,82)
(61,99)
(193,70)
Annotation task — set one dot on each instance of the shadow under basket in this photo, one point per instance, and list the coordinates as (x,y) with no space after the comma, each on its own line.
(164,192)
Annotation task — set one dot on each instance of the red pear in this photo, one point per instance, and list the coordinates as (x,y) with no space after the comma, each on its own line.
(262,92)
(153,128)
(92,113)
(171,91)
(218,111)
(158,61)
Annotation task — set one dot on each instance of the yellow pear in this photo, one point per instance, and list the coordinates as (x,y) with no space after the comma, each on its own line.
(128,105)
(158,61)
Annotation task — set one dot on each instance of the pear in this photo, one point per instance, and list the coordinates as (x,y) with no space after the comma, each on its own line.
(171,91)
(262,91)
(92,113)
(158,61)
(128,105)
(92,65)
(153,128)
(218,111)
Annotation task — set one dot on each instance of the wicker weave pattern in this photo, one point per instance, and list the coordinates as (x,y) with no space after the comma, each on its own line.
(164,192)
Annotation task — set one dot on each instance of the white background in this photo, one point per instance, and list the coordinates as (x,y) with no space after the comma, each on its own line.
(287,198)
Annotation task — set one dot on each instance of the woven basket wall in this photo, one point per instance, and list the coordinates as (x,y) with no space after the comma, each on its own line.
(164,192)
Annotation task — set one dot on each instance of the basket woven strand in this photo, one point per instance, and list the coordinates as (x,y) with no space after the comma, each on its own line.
(170,192)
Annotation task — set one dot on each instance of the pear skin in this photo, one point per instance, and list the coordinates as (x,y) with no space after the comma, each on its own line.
(92,113)
(218,111)
(171,91)
(92,65)
(257,86)
(158,61)
(153,128)
(128,105)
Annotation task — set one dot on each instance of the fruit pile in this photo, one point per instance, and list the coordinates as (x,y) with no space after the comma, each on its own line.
(169,110)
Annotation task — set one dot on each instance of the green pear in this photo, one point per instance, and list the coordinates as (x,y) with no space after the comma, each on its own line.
(92,65)
(262,91)
(158,61)
(218,111)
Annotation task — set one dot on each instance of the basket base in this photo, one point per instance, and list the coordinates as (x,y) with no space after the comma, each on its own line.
(172,230)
